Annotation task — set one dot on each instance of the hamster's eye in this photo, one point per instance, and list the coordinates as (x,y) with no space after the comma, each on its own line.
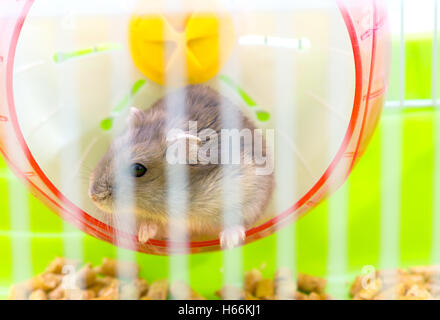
(137,170)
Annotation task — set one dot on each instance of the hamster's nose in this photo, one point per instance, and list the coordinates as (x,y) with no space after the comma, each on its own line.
(100,195)
(93,195)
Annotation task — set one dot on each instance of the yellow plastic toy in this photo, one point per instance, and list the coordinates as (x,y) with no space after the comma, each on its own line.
(161,44)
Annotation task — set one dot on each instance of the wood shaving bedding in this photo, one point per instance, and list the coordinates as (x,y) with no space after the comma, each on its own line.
(112,280)
(281,287)
(65,279)
(415,283)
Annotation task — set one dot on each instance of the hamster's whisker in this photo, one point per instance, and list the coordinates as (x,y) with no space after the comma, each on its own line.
(109,222)
(108,219)
(85,166)
(86,153)
(82,175)
(84,171)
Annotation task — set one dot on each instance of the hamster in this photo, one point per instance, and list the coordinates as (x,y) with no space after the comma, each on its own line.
(141,153)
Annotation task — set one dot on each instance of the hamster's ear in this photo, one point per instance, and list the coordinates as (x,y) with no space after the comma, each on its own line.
(135,117)
(183,147)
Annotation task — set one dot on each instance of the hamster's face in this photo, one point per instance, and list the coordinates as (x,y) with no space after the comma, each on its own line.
(130,176)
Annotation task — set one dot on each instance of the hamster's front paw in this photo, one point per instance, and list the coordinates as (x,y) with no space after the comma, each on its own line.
(232,237)
(147,231)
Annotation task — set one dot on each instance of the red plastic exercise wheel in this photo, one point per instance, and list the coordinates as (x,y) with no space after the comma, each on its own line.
(366,27)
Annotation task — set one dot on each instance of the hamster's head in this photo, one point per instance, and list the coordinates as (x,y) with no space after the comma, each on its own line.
(130,176)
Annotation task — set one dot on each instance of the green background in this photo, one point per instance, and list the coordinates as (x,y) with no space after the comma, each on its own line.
(46,231)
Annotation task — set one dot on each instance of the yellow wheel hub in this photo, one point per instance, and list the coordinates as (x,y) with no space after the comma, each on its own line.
(192,46)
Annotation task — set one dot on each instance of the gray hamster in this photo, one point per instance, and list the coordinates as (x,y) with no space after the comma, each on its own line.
(140,153)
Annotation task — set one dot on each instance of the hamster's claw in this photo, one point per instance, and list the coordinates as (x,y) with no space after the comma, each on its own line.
(146,232)
(232,237)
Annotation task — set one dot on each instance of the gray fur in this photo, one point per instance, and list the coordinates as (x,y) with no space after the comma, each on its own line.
(144,141)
